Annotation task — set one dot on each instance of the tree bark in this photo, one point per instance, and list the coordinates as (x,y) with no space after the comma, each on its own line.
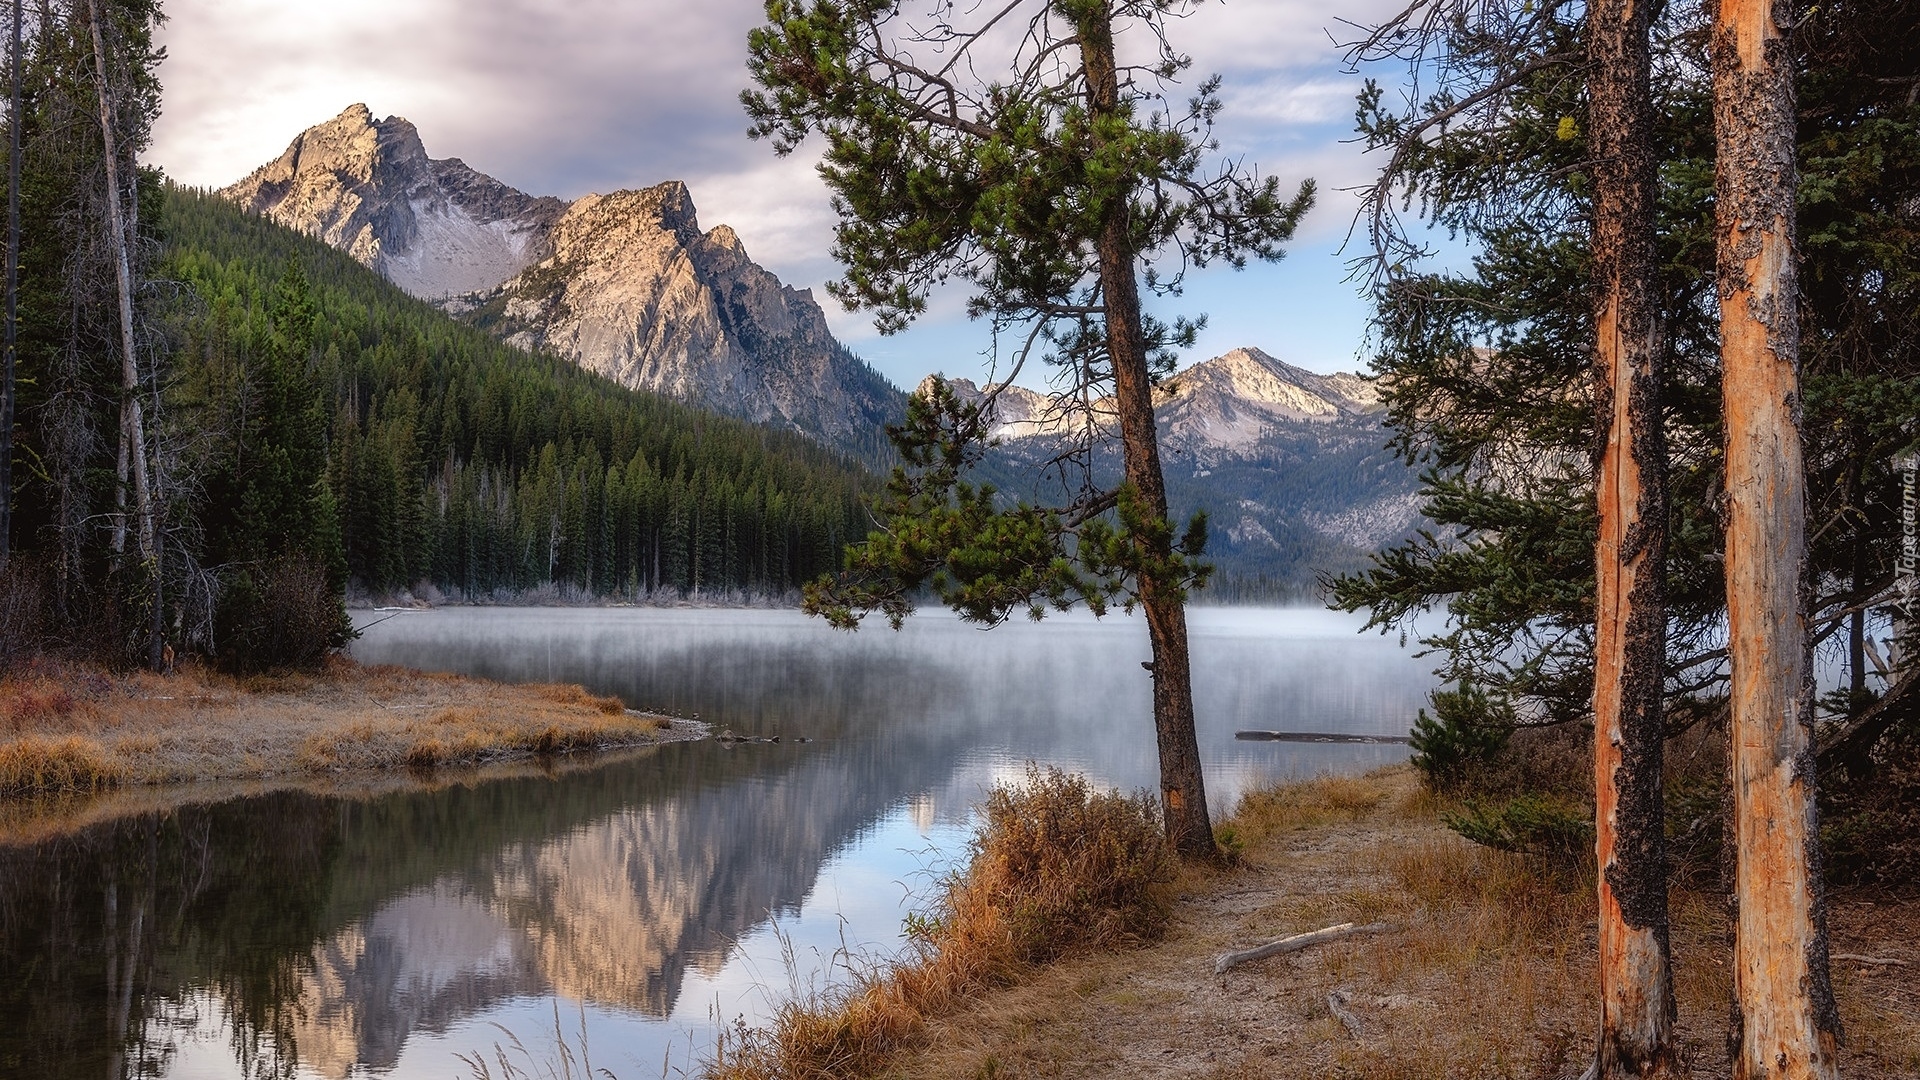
(1182,790)
(1785,1026)
(132,425)
(1630,622)
(14,149)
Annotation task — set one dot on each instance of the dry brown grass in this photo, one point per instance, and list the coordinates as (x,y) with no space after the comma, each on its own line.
(66,727)
(1490,975)
(1322,800)
(1056,866)
(33,764)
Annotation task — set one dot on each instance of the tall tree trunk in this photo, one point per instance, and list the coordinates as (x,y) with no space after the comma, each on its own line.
(1630,620)
(132,425)
(1182,788)
(14,149)
(1784,1023)
(1857,623)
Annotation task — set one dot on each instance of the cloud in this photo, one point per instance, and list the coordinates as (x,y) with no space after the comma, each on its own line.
(554,97)
(564,97)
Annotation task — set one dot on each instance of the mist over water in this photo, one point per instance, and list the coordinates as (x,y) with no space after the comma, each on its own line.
(647,896)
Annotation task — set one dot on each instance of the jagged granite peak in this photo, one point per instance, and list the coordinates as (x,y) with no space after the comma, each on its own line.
(1230,401)
(635,290)
(1224,404)
(367,187)
(625,284)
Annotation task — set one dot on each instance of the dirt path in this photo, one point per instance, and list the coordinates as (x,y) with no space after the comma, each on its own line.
(1488,976)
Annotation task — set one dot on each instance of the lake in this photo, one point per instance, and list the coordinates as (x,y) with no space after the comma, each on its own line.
(645,898)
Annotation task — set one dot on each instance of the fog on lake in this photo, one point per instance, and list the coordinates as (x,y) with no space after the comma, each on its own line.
(648,896)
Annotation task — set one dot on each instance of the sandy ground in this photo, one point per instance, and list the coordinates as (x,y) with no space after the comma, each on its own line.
(1489,975)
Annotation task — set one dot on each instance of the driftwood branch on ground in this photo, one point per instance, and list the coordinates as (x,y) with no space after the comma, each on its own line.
(1337,1005)
(1876,961)
(1231,960)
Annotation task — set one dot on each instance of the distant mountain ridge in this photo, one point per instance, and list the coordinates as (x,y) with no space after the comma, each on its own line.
(1290,465)
(624,284)
(1223,405)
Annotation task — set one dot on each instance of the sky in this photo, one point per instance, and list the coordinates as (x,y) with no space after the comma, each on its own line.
(566,97)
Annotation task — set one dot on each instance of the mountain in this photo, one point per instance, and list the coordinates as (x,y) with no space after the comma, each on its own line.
(367,187)
(1225,405)
(460,463)
(626,284)
(1291,466)
(634,290)
(1228,404)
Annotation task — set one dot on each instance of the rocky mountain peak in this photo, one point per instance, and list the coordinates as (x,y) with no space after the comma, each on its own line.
(625,283)
(1229,402)
(634,290)
(367,187)
(723,236)
(1020,413)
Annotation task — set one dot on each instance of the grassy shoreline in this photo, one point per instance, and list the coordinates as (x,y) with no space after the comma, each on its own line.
(1489,972)
(71,728)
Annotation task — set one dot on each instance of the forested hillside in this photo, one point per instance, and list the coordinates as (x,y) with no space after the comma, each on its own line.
(459,461)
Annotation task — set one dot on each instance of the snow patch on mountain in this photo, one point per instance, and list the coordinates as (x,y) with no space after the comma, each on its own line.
(368,188)
(454,253)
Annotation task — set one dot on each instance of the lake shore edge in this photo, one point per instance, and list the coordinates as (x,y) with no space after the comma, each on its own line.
(1480,964)
(69,728)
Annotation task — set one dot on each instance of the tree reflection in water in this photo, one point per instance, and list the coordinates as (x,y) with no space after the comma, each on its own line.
(255,934)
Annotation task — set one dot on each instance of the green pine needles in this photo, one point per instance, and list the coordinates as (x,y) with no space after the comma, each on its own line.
(980,557)
(1008,184)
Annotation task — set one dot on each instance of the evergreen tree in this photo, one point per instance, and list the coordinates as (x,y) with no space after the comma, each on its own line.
(83,359)
(1047,188)
(1484,371)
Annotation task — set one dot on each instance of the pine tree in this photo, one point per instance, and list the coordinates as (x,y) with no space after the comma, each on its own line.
(1046,189)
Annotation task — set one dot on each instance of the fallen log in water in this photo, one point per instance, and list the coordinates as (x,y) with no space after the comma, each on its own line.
(1317,736)
(1231,960)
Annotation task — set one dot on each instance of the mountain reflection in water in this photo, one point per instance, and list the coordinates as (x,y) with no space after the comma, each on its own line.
(296,933)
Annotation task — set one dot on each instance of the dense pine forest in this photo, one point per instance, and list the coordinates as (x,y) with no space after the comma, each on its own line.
(219,428)
(460,462)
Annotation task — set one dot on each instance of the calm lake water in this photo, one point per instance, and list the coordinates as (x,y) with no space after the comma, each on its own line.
(647,897)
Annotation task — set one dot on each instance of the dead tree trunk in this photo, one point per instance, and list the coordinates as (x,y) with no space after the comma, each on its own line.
(1785,1026)
(132,425)
(14,148)
(1630,621)
(1182,788)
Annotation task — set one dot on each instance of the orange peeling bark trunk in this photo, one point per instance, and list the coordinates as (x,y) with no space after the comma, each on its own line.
(1182,789)
(1785,1025)
(1630,622)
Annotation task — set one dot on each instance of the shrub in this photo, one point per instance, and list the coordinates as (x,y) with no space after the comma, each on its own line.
(38,765)
(1055,865)
(1870,823)
(1527,824)
(1061,865)
(279,614)
(1467,730)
